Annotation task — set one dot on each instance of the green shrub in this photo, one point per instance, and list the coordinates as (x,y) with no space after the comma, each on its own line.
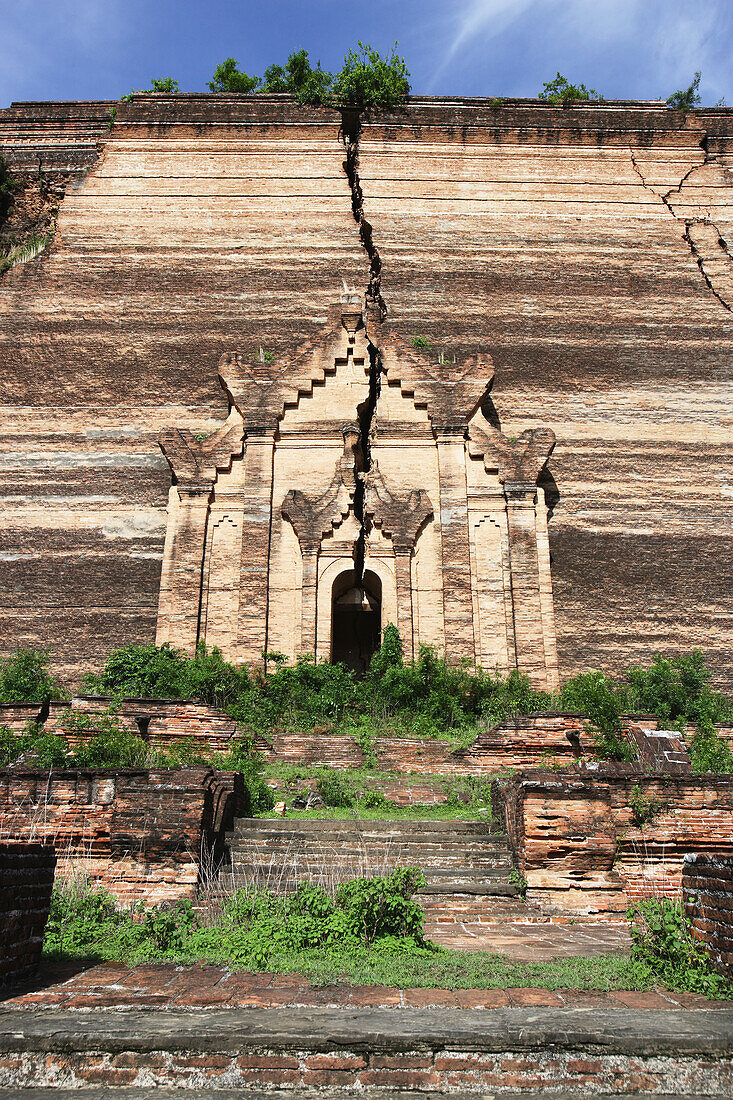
(369,80)
(158,84)
(661,938)
(686,99)
(710,754)
(377,907)
(8,187)
(299,79)
(160,671)
(372,800)
(560,90)
(228,78)
(24,678)
(33,748)
(678,692)
(334,788)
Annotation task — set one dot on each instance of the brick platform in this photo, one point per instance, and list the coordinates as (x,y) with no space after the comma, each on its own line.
(619,1049)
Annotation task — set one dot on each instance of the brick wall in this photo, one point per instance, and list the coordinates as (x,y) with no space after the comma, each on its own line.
(143,834)
(707,889)
(580,847)
(26,879)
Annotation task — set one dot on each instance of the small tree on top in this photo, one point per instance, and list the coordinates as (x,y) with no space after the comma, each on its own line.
(686,99)
(560,90)
(369,80)
(300,79)
(228,78)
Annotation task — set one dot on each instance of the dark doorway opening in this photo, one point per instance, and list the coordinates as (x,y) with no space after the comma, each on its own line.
(356,623)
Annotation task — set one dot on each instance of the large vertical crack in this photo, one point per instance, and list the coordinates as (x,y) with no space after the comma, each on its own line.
(375,307)
(701,234)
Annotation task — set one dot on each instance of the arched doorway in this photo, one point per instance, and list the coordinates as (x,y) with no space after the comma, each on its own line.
(356,619)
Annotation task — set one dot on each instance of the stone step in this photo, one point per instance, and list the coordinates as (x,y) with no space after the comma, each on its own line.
(366,827)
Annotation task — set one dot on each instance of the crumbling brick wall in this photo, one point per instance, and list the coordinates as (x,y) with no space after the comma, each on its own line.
(707,889)
(581,845)
(26,880)
(143,834)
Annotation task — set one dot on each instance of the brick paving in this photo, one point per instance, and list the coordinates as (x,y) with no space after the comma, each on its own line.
(168,986)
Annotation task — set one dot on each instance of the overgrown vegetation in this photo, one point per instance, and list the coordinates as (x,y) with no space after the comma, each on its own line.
(662,941)
(370,933)
(674,689)
(249,928)
(8,187)
(644,807)
(426,697)
(560,90)
(366,79)
(369,80)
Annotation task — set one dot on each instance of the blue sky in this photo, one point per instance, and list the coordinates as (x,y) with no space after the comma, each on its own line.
(633,49)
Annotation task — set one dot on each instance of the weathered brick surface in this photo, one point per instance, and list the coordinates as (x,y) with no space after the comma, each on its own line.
(202,219)
(542,237)
(435,1071)
(142,834)
(26,879)
(580,847)
(707,891)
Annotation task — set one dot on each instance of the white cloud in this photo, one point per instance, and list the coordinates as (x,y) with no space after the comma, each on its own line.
(481,18)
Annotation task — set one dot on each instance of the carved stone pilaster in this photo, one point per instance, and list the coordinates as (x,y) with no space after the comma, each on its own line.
(400,516)
(194,464)
(518,464)
(313,517)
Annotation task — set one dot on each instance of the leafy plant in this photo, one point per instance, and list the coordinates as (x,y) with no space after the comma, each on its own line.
(377,907)
(33,748)
(677,691)
(228,78)
(160,671)
(299,79)
(560,90)
(369,80)
(686,99)
(644,807)
(518,879)
(661,939)
(421,342)
(25,678)
(164,84)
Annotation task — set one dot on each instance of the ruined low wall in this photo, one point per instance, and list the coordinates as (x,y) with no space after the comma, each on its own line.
(142,834)
(581,844)
(165,723)
(26,880)
(707,889)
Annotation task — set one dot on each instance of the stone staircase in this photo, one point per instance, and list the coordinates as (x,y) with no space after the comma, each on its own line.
(464,863)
